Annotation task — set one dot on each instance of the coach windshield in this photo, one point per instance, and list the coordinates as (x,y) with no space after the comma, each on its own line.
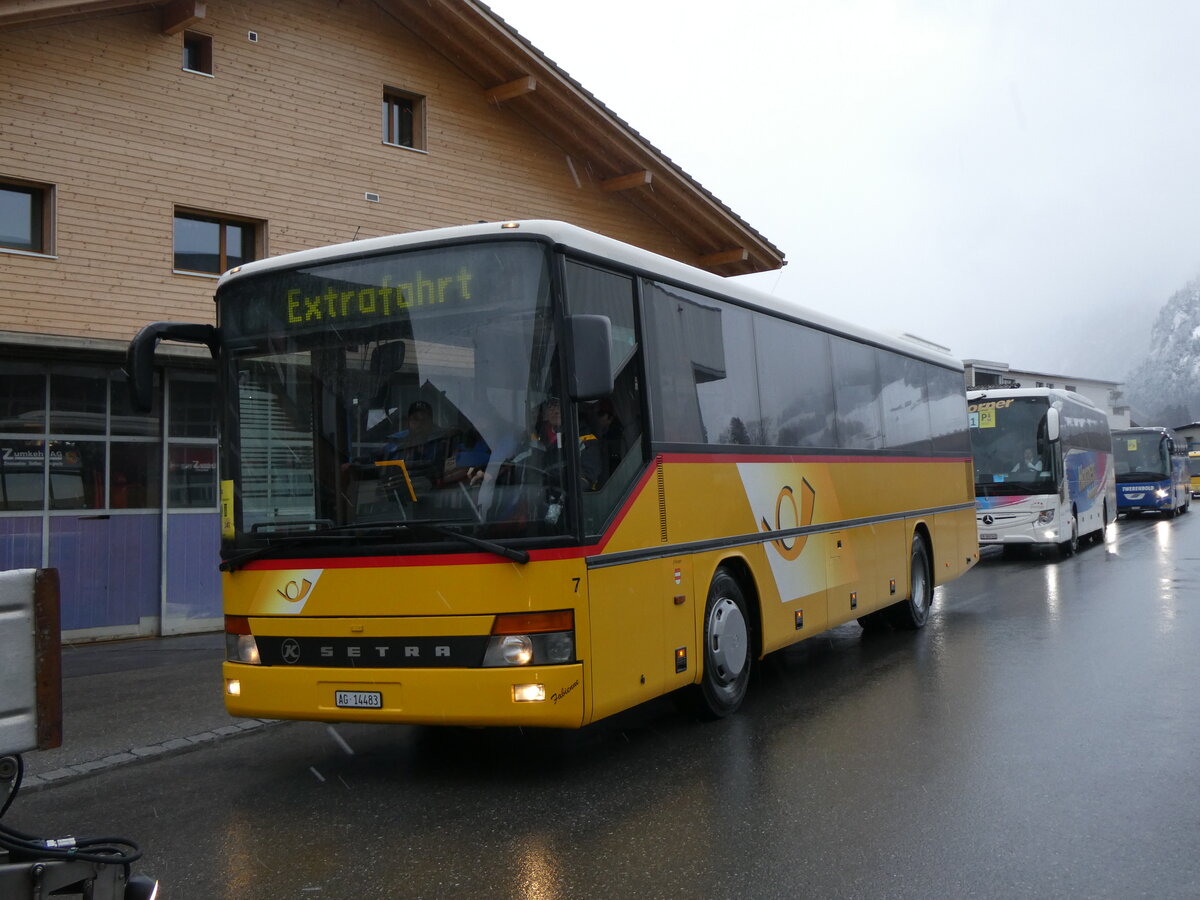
(413,395)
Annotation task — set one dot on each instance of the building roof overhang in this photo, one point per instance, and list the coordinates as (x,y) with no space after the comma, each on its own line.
(515,75)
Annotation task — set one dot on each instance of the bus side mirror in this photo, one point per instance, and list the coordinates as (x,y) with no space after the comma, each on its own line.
(139,359)
(590,339)
(1052,425)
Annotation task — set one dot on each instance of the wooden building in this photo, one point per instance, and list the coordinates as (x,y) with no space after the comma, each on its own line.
(147,146)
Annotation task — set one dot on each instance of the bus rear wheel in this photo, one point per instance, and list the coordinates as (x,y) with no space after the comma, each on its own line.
(727,648)
(913,613)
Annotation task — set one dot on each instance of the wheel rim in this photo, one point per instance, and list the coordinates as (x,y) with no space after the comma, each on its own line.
(728,641)
(920,585)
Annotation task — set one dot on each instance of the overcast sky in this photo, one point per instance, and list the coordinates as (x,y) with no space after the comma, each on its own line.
(1018,181)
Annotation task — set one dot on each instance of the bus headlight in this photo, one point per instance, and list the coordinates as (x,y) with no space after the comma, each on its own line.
(514,649)
(242,648)
(526,649)
(240,645)
(1162,494)
(524,639)
(1045,517)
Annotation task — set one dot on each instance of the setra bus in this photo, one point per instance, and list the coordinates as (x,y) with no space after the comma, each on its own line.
(1152,471)
(1043,467)
(522,474)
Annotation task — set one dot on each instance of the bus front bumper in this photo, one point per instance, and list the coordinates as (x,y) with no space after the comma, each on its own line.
(468,697)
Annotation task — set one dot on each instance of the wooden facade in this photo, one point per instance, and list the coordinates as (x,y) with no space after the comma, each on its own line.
(285,133)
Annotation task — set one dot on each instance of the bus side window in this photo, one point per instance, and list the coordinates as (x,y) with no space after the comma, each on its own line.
(614,423)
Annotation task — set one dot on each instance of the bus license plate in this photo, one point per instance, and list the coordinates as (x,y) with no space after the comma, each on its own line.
(988,537)
(358,699)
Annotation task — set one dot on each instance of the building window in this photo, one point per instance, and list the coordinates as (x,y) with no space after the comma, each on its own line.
(403,119)
(197,53)
(211,245)
(25,217)
(78,446)
(191,441)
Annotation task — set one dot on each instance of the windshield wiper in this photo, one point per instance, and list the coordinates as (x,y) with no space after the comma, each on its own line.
(348,532)
(293,540)
(520,556)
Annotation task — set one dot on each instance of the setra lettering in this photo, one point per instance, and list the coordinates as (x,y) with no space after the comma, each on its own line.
(356,651)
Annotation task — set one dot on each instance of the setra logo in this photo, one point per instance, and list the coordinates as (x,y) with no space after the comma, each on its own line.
(290,651)
(801,516)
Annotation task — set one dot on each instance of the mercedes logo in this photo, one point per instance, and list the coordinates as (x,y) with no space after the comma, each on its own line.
(988,520)
(290,651)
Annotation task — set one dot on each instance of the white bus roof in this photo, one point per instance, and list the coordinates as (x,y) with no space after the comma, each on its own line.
(600,246)
(1049,393)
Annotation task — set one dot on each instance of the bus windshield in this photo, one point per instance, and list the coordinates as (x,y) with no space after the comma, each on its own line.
(414,391)
(1141,457)
(1012,453)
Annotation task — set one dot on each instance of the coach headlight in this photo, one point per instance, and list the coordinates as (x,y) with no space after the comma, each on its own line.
(1162,494)
(1045,517)
(240,645)
(531,639)
(512,650)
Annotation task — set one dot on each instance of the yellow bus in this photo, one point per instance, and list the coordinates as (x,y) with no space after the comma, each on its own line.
(522,474)
(1194,468)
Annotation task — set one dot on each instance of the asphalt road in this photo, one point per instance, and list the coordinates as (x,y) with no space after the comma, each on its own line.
(1037,739)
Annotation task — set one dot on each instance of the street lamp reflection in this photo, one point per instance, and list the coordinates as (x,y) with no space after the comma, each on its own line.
(1052,593)
(538,877)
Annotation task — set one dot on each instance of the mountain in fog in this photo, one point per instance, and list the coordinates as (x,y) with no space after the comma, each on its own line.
(1165,388)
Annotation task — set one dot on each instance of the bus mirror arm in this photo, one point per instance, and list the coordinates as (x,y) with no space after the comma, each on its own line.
(589,338)
(139,359)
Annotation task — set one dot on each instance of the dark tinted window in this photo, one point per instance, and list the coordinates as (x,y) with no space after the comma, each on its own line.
(856,392)
(795,384)
(193,406)
(22,401)
(948,411)
(904,394)
(703,368)
(78,404)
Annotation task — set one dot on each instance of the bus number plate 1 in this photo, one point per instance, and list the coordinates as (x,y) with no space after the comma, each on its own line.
(358,699)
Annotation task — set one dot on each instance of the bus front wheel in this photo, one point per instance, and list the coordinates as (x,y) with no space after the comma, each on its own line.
(913,613)
(1071,544)
(727,648)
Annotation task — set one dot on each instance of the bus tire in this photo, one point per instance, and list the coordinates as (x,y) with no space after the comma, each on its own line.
(1071,544)
(913,613)
(727,648)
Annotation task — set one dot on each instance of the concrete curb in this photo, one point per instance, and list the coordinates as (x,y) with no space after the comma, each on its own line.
(172,747)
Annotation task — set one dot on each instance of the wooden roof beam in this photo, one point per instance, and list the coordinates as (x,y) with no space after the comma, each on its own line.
(723,258)
(627,182)
(526,84)
(181,15)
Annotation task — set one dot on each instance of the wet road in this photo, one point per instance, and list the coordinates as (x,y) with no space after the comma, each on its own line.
(1038,739)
